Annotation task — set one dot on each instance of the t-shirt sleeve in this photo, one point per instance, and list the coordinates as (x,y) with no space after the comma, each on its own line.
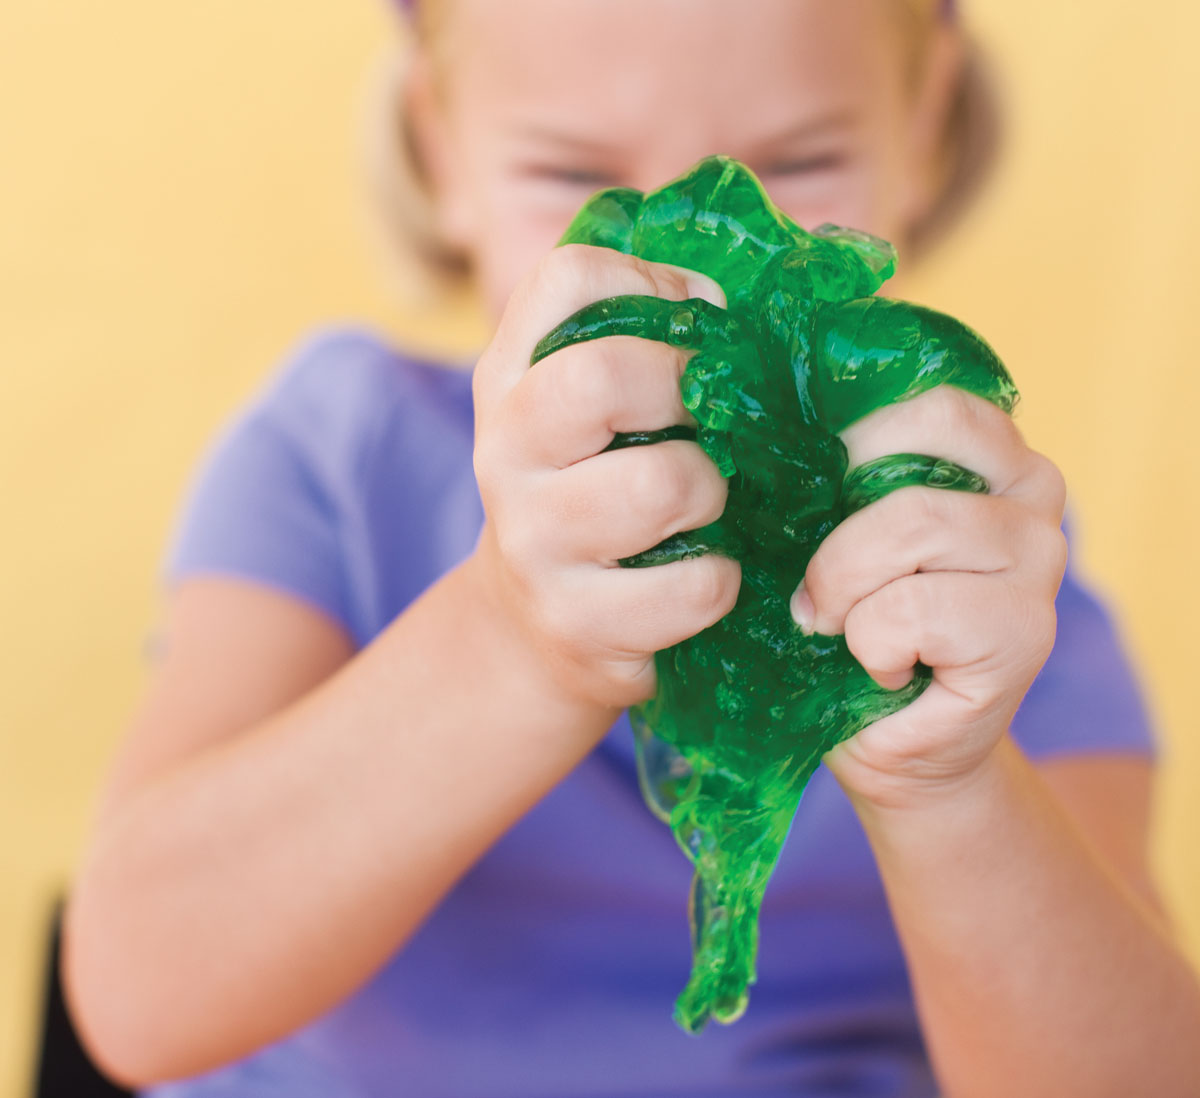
(265,503)
(1087,697)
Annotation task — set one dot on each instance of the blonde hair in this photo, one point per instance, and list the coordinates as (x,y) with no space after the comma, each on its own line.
(427,265)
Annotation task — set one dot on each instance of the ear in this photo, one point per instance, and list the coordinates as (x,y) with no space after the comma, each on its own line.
(933,100)
(429,133)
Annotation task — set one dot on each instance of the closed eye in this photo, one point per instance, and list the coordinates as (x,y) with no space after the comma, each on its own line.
(806,165)
(572,177)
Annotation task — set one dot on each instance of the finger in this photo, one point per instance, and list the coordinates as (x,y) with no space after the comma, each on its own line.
(580,397)
(638,610)
(964,626)
(623,502)
(564,281)
(952,424)
(927,530)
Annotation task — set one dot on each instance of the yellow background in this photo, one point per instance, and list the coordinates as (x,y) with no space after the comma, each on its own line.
(181,198)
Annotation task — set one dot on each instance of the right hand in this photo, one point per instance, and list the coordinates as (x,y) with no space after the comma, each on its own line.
(560,513)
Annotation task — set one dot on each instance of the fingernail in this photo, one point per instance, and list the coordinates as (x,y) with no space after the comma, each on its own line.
(803,611)
(701,286)
(704,287)
(892,680)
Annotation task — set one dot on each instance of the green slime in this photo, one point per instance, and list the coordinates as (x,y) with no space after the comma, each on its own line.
(746,709)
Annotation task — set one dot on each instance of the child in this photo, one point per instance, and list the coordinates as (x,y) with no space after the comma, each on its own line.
(376,828)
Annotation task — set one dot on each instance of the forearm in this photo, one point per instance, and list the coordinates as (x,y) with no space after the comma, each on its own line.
(242,894)
(1036,972)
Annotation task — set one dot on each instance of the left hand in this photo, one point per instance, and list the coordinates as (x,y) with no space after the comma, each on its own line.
(961,582)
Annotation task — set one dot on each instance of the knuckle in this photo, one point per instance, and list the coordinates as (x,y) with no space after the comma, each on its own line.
(489,485)
(571,256)
(714,587)
(555,617)
(629,682)
(1047,632)
(493,462)
(711,497)
(950,402)
(1055,550)
(1041,548)
(585,380)
(1028,632)
(1034,640)
(479,376)
(963,413)
(820,578)
(516,550)
(486,456)
(869,639)
(1053,483)
(910,521)
(904,602)
(548,623)
(946,408)
(559,267)
(861,635)
(660,281)
(568,261)
(657,485)
(921,511)
(975,411)
(1045,627)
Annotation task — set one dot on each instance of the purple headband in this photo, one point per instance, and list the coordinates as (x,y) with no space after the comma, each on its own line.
(947,9)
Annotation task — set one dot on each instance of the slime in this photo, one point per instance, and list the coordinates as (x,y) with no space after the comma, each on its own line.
(745,710)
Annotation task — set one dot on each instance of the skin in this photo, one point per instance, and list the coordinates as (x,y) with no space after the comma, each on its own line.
(1039,957)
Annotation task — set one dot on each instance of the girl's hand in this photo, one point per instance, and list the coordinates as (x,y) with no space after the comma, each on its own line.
(963,583)
(560,512)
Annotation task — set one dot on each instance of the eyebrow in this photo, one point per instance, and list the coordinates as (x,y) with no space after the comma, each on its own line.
(843,118)
(563,139)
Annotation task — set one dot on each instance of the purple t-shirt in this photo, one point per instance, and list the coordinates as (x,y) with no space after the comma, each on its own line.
(551,969)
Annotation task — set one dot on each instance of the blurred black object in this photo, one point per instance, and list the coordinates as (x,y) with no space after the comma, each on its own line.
(63,1068)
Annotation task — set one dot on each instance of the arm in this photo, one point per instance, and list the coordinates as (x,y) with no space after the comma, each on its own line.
(1039,960)
(284,815)
(229,895)
(1038,968)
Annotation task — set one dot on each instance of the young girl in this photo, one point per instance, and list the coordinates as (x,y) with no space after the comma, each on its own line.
(376,829)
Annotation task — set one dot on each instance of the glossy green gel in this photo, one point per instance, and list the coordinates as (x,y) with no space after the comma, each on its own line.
(746,709)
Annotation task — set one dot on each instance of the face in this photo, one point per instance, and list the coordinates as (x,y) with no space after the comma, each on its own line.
(539,103)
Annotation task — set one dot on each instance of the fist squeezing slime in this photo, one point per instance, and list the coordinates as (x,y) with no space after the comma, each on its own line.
(746,709)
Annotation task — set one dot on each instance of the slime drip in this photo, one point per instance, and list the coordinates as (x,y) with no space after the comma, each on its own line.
(746,709)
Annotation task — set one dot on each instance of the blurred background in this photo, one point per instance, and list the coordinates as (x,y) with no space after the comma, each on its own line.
(183,197)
